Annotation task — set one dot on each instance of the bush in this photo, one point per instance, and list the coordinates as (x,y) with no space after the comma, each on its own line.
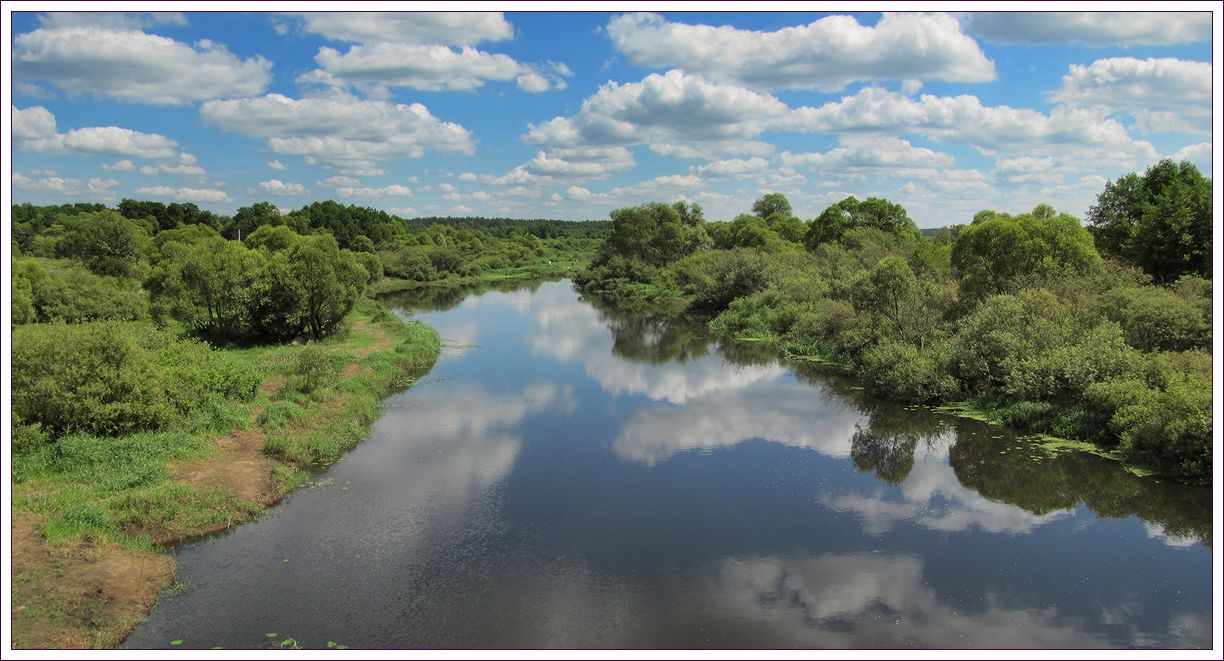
(110,379)
(1156,319)
(315,367)
(904,372)
(94,378)
(715,278)
(67,292)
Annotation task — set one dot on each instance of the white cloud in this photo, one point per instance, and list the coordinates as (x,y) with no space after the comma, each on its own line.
(732,168)
(1162,94)
(95,188)
(34,129)
(185,165)
(392,190)
(467,176)
(418,27)
(338,181)
(1074,133)
(580,162)
(119,166)
(278,188)
(663,108)
(185,194)
(424,67)
(134,66)
(277,165)
(532,82)
(869,152)
(827,54)
(1199,155)
(712,150)
(339,131)
(1092,28)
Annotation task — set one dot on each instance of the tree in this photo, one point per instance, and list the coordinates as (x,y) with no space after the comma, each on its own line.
(1160,221)
(249,219)
(771,204)
(995,255)
(889,290)
(331,279)
(105,241)
(850,213)
(655,233)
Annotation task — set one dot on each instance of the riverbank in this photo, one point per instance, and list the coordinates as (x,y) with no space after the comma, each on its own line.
(558,269)
(91,521)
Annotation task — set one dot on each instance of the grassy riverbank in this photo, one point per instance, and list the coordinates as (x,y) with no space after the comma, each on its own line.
(91,515)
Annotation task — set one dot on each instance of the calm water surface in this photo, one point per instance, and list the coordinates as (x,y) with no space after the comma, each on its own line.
(570,476)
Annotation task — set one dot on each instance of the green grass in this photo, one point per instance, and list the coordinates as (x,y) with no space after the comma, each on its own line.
(120,489)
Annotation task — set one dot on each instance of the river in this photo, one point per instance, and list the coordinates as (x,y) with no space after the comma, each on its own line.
(572,476)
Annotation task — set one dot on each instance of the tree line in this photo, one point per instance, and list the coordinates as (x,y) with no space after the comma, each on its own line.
(1099,332)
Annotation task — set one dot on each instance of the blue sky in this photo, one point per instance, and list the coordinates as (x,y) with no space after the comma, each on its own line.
(570,115)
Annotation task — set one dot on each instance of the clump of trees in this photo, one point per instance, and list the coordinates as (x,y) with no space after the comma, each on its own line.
(1159,221)
(1032,317)
(286,286)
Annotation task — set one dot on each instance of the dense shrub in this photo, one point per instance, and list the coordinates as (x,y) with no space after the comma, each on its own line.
(94,378)
(112,379)
(715,278)
(906,373)
(314,368)
(69,293)
(1156,319)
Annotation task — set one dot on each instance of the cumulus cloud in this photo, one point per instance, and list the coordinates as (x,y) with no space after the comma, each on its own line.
(1162,94)
(185,194)
(674,107)
(1091,28)
(1072,132)
(133,66)
(827,54)
(34,129)
(580,162)
(392,190)
(277,165)
(339,131)
(184,165)
(869,152)
(278,188)
(374,67)
(423,27)
(732,168)
(64,187)
(119,166)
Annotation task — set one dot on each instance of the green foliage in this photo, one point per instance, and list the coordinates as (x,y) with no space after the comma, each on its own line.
(110,379)
(1160,221)
(657,234)
(314,368)
(903,372)
(94,378)
(714,278)
(851,213)
(1002,253)
(62,291)
(770,204)
(105,241)
(23,300)
(226,291)
(331,279)
(1156,319)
